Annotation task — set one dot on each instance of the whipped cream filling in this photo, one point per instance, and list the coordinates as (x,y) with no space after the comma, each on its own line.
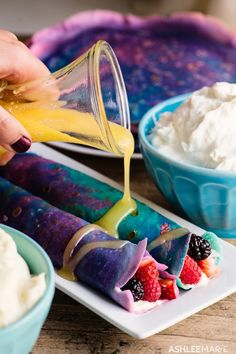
(202,130)
(143,305)
(19,291)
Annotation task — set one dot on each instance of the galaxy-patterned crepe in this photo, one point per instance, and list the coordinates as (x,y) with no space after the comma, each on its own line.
(88,198)
(160,57)
(104,269)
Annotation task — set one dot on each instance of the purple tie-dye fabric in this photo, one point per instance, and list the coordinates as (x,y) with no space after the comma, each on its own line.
(160,56)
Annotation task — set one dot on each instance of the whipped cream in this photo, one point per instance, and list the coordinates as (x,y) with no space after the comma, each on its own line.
(202,131)
(19,291)
(142,305)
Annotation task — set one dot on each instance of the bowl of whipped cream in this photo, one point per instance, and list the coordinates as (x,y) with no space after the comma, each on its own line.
(26,291)
(189,148)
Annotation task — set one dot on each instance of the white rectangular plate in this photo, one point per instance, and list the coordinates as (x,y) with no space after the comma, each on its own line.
(169,313)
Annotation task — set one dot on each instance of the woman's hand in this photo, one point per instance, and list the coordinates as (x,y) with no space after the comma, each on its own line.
(17,65)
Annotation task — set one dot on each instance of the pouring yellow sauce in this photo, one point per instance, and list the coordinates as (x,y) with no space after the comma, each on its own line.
(111,220)
(51,122)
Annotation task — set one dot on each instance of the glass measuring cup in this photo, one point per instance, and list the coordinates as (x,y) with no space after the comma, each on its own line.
(84,102)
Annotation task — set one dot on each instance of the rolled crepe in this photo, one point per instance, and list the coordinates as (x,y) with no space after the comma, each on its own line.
(107,266)
(88,198)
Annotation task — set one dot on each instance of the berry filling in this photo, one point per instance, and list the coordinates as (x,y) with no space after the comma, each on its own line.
(148,275)
(199,248)
(147,286)
(136,288)
(208,266)
(167,289)
(191,272)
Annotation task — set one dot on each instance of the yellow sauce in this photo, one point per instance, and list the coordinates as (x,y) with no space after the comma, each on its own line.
(111,220)
(71,260)
(51,122)
(167,236)
(68,266)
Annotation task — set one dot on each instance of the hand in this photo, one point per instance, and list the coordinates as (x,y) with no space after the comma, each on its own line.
(17,65)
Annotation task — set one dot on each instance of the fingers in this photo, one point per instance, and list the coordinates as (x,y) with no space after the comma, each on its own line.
(15,60)
(39,90)
(17,64)
(7,156)
(13,136)
(8,36)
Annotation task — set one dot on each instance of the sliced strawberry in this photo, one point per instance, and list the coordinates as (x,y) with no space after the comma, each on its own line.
(167,289)
(191,272)
(148,274)
(208,266)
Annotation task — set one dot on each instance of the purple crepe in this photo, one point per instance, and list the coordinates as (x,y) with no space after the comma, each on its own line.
(88,198)
(104,269)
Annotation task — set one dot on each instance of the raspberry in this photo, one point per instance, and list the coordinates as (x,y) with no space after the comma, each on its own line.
(136,288)
(148,274)
(199,248)
(152,290)
(167,289)
(191,272)
(146,270)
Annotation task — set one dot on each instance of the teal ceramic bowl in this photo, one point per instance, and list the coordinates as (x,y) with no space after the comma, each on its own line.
(205,196)
(20,336)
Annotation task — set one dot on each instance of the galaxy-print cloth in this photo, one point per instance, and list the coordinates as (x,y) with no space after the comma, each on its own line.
(160,57)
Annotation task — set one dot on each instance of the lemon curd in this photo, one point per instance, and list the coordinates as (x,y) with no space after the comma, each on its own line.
(51,122)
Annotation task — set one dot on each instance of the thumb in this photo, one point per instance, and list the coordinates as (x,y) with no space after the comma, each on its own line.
(13,136)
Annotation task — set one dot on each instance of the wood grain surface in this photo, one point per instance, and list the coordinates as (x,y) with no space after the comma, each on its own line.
(71,328)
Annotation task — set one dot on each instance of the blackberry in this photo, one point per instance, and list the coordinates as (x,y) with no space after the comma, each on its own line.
(199,248)
(136,288)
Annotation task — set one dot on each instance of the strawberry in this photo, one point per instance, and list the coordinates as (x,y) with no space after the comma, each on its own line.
(167,289)
(191,272)
(148,274)
(208,266)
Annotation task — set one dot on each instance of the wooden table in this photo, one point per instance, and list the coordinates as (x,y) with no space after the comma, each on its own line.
(71,328)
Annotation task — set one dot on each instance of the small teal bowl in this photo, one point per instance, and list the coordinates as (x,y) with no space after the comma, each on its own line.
(207,197)
(20,336)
